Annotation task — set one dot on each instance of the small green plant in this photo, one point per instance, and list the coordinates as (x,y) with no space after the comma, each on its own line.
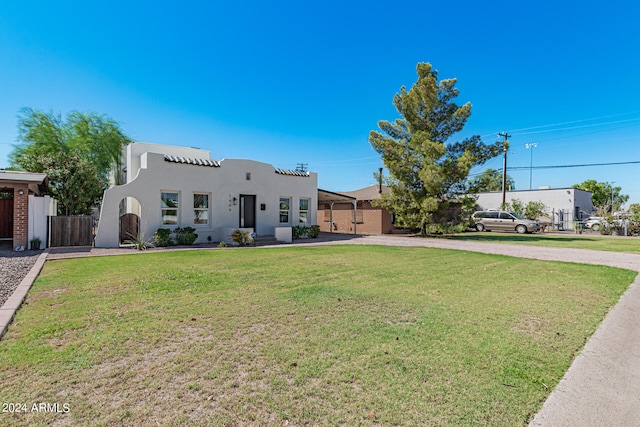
(241,237)
(140,242)
(300,231)
(297,232)
(314,231)
(222,244)
(185,236)
(162,237)
(35,243)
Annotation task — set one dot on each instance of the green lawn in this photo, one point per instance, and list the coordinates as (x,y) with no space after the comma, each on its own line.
(579,241)
(339,335)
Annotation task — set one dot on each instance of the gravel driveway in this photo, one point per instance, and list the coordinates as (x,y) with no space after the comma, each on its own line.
(14,266)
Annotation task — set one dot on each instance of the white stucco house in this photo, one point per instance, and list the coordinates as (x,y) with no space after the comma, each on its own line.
(562,205)
(169,187)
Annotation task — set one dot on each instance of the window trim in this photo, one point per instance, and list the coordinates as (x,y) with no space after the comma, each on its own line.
(164,209)
(281,211)
(305,211)
(207,209)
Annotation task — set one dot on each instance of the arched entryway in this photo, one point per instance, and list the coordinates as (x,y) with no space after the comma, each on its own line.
(130,213)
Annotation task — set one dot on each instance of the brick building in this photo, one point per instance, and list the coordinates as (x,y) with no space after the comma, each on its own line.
(354,212)
(14,204)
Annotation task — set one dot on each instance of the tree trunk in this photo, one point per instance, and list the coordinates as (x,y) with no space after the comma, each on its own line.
(423,229)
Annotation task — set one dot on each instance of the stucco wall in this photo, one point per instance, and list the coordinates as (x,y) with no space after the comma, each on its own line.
(221,183)
(566,199)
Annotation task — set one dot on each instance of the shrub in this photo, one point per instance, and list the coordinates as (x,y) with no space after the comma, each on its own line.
(140,242)
(162,237)
(314,231)
(300,231)
(185,236)
(241,237)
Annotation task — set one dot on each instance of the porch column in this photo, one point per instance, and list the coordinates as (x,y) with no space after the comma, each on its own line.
(355,208)
(331,217)
(20,216)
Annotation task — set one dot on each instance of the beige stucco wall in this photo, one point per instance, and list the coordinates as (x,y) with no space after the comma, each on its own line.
(155,175)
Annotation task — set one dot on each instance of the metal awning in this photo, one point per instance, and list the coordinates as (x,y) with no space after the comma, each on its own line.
(329,198)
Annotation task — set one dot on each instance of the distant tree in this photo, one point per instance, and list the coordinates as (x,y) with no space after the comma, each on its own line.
(426,171)
(98,138)
(531,210)
(634,209)
(74,182)
(601,193)
(490,180)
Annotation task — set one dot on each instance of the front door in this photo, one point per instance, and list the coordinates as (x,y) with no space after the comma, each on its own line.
(6,219)
(247,211)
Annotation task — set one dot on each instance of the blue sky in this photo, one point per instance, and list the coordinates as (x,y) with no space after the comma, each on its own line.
(300,82)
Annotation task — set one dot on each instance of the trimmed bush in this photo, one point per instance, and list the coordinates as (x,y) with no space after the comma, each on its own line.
(162,237)
(185,236)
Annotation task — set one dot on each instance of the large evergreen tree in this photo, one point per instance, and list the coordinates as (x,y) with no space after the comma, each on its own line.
(426,170)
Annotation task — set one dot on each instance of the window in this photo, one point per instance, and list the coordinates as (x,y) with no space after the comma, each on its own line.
(304,211)
(200,209)
(327,212)
(285,202)
(169,203)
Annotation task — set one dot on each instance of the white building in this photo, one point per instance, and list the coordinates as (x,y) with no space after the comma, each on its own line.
(562,205)
(169,187)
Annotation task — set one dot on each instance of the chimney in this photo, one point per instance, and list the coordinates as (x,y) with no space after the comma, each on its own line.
(380,181)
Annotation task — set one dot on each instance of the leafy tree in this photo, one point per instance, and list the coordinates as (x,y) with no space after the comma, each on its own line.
(74,182)
(427,172)
(531,210)
(601,193)
(96,137)
(490,180)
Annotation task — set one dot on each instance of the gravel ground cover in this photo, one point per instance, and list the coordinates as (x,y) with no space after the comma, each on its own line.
(14,266)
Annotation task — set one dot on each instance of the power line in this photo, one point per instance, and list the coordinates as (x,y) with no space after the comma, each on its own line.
(574,166)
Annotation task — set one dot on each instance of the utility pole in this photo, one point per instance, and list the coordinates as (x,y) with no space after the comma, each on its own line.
(302,167)
(531,147)
(612,182)
(505,144)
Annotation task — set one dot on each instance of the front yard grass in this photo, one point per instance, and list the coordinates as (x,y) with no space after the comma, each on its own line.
(589,240)
(340,335)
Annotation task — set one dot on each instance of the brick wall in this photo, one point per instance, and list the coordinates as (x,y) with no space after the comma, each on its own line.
(20,216)
(370,220)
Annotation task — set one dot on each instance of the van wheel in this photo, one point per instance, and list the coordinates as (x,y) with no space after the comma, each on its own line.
(479,227)
(595,227)
(521,229)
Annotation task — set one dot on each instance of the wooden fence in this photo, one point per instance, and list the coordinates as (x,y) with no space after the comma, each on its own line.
(70,231)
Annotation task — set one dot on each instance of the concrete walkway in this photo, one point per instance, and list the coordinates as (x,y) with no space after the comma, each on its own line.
(602,386)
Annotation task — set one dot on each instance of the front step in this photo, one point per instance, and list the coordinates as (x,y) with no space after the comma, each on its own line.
(265,241)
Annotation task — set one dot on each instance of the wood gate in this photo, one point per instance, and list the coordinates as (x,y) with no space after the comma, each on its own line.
(129,227)
(71,231)
(6,219)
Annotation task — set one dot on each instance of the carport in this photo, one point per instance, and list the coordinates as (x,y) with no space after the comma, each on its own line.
(329,198)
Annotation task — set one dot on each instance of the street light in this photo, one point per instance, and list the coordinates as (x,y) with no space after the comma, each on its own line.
(531,146)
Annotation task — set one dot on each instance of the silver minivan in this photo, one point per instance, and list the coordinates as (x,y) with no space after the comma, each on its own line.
(504,221)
